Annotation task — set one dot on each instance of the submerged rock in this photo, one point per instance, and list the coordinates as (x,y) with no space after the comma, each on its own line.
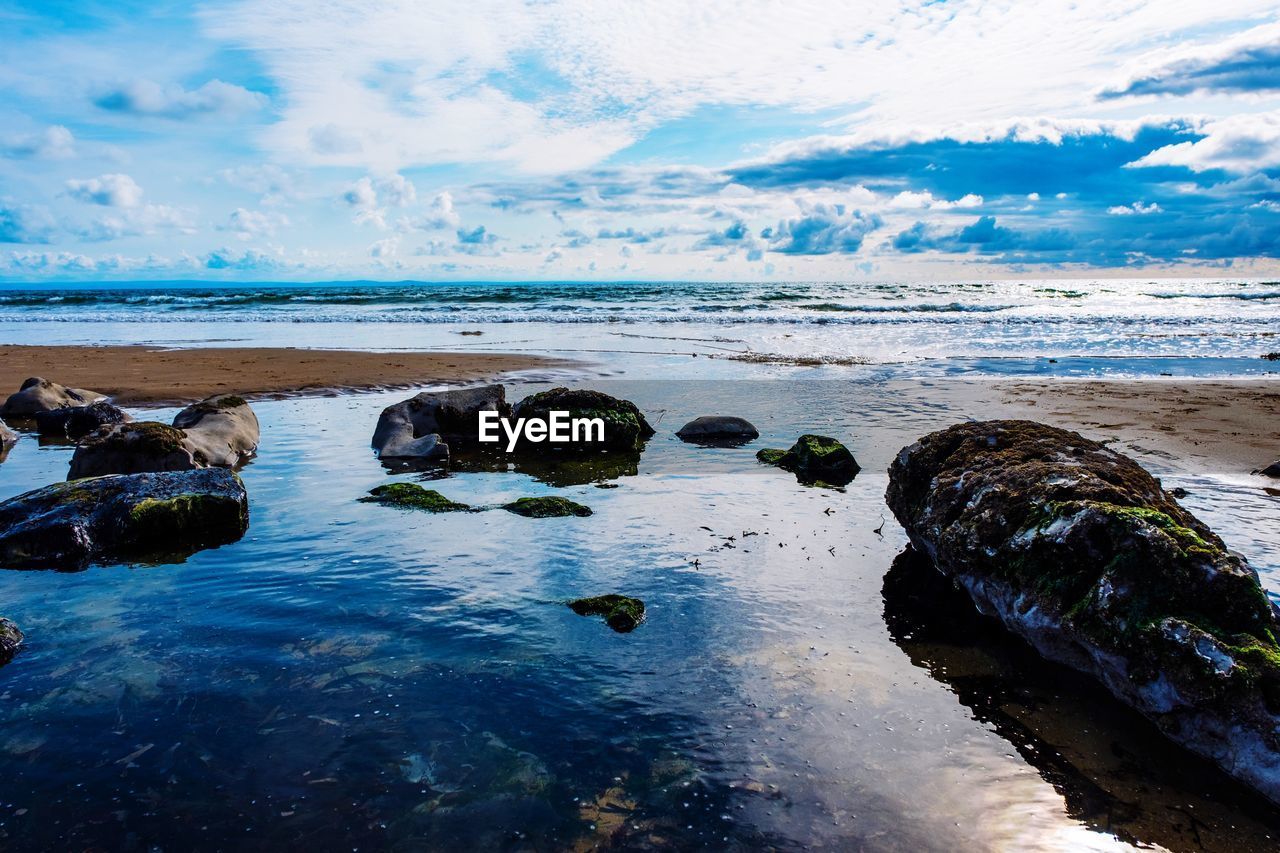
(222,430)
(123,516)
(40,395)
(420,427)
(75,422)
(625,427)
(1082,553)
(620,613)
(546,507)
(718,430)
(412,496)
(133,448)
(815,460)
(10,639)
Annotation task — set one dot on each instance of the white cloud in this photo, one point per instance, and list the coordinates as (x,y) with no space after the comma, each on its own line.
(1239,143)
(1135,209)
(908,200)
(385,249)
(114,190)
(148,98)
(53,143)
(251,224)
(371,198)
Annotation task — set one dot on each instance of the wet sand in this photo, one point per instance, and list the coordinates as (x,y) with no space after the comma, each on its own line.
(137,375)
(1217,427)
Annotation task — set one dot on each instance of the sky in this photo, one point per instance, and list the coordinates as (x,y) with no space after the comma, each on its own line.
(551,139)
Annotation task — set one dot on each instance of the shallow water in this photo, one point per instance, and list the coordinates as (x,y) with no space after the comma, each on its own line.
(353,676)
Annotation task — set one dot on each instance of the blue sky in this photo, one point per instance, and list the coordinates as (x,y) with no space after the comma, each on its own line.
(394,139)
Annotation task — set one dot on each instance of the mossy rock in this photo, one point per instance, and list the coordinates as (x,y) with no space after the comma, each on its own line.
(620,612)
(625,427)
(10,639)
(816,460)
(413,496)
(1083,553)
(546,507)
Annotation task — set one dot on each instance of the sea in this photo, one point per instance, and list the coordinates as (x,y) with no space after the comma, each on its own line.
(350,676)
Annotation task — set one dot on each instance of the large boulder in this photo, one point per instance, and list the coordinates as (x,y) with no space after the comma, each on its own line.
(164,515)
(133,448)
(1079,551)
(222,429)
(815,460)
(625,427)
(75,422)
(10,639)
(422,426)
(715,430)
(40,395)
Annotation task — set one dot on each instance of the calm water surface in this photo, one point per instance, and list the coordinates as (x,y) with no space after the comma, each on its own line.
(352,676)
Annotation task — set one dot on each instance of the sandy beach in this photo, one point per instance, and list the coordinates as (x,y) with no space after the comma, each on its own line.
(140,375)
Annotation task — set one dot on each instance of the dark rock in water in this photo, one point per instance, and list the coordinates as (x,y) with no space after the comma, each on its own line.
(1272,470)
(133,448)
(718,430)
(75,422)
(1079,551)
(10,639)
(412,496)
(1271,356)
(620,613)
(125,516)
(1179,492)
(40,395)
(546,507)
(625,427)
(815,460)
(420,427)
(222,430)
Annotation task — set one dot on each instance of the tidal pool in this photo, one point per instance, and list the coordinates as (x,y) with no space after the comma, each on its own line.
(350,675)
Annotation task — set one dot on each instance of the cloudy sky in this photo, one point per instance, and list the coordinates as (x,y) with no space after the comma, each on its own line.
(392,139)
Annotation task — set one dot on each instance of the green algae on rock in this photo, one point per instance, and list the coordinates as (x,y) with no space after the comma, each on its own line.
(1082,553)
(815,460)
(620,612)
(546,507)
(10,639)
(413,496)
(122,517)
(625,427)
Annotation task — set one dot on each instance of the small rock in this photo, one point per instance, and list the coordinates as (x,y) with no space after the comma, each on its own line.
(620,612)
(40,395)
(1272,470)
(1179,492)
(10,639)
(123,516)
(815,460)
(547,507)
(8,438)
(412,496)
(718,430)
(1271,356)
(75,422)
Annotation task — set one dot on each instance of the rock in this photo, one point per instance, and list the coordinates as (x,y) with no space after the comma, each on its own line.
(8,438)
(222,430)
(10,639)
(123,516)
(1080,552)
(40,395)
(418,428)
(1271,356)
(412,496)
(625,427)
(1272,470)
(75,422)
(546,507)
(134,448)
(815,460)
(620,613)
(718,430)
